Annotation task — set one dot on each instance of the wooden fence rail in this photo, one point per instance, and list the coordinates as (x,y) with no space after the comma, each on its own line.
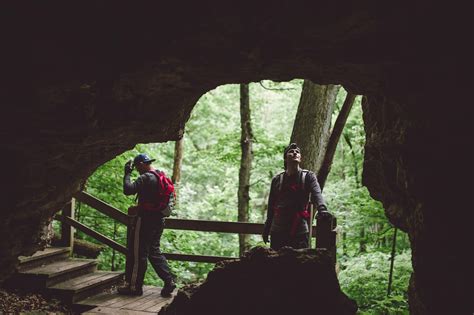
(103,207)
(96,235)
(176,224)
(68,221)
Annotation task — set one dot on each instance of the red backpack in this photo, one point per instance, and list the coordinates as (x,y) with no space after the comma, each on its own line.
(166,195)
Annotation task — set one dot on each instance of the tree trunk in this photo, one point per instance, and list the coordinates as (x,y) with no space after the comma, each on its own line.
(392,259)
(334,139)
(245,164)
(313,122)
(362,241)
(344,243)
(344,239)
(178,160)
(342,174)
(354,159)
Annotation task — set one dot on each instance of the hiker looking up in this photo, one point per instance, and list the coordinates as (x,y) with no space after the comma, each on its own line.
(288,218)
(148,226)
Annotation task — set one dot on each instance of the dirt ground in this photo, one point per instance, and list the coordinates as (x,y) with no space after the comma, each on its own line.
(15,301)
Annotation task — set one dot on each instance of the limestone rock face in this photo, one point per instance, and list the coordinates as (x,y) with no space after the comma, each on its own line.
(267,282)
(409,165)
(83,83)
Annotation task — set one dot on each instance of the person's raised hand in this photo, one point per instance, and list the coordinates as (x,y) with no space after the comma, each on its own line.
(128,168)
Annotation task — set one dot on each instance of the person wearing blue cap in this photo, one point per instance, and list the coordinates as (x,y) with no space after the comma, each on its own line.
(147,228)
(288,219)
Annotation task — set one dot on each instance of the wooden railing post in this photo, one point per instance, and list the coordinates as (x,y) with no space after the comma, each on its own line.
(130,235)
(326,234)
(67,231)
(310,225)
(130,240)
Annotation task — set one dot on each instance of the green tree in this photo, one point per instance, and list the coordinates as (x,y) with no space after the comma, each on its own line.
(311,129)
(246,140)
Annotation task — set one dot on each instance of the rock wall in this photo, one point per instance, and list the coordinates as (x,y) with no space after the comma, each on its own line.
(84,82)
(414,166)
(267,282)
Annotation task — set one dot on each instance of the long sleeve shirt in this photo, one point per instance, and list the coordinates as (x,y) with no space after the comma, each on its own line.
(145,186)
(286,201)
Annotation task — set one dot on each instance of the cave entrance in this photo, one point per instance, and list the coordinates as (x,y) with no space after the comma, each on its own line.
(208,185)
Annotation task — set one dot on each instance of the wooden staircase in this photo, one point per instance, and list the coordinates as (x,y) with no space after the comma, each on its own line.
(53,273)
(77,281)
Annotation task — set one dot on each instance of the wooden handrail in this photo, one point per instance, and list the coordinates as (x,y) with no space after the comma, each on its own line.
(170,223)
(175,224)
(214,226)
(103,207)
(197,258)
(101,238)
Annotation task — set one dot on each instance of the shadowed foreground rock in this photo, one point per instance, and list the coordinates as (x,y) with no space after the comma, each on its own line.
(267,282)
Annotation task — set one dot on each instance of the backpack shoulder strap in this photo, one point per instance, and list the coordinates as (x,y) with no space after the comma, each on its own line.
(279,178)
(153,174)
(150,176)
(280,181)
(157,173)
(159,176)
(303,174)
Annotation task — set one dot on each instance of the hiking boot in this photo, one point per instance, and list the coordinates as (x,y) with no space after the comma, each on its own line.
(128,291)
(168,289)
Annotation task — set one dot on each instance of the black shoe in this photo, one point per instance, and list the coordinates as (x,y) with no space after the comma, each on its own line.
(128,291)
(168,289)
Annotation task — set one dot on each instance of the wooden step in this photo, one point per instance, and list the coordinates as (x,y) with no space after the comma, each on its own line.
(84,286)
(113,303)
(40,277)
(43,257)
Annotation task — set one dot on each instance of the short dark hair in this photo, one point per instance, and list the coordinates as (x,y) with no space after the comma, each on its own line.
(288,148)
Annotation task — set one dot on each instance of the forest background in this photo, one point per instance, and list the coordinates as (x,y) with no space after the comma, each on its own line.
(209,184)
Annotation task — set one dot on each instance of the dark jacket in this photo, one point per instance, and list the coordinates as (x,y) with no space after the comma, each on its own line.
(145,186)
(284,203)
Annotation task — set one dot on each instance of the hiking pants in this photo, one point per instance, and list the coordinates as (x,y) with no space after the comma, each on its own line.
(145,244)
(279,240)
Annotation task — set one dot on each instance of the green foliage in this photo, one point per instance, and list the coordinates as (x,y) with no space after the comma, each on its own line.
(208,191)
(365,279)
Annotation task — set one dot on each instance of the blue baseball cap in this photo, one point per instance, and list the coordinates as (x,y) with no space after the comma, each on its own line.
(142,158)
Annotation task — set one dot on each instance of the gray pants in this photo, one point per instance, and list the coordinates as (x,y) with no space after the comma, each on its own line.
(145,245)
